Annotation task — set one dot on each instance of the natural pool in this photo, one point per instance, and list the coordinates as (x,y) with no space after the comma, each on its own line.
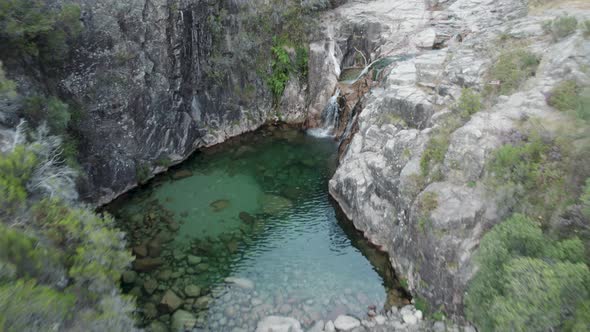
(245,230)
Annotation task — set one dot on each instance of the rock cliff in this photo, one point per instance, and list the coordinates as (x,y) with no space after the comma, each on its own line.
(431,224)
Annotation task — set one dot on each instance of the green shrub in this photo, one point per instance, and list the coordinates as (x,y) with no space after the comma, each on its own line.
(25,306)
(26,256)
(585,199)
(7,87)
(281,69)
(34,28)
(511,69)
(16,167)
(469,102)
(302,60)
(142,172)
(586,28)
(525,280)
(534,182)
(561,26)
(564,96)
(95,250)
(51,110)
(434,153)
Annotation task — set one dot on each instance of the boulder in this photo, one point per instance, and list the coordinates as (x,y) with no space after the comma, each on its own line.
(346,323)
(279,324)
(147,264)
(192,290)
(329,327)
(426,38)
(150,286)
(183,320)
(193,260)
(157,326)
(240,282)
(170,302)
(154,247)
(129,277)
(140,250)
(181,174)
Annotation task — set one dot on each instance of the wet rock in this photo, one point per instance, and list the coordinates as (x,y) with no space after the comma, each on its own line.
(219,205)
(246,217)
(150,311)
(183,320)
(346,323)
(164,275)
(136,291)
(157,326)
(181,174)
(173,226)
(409,319)
(203,302)
(147,264)
(150,286)
(129,277)
(240,282)
(193,260)
(329,327)
(170,302)
(317,327)
(154,248)
(279,324)
(380,320)
(203,267)
(140,251)
(232,246)
(192,290)
(274,204)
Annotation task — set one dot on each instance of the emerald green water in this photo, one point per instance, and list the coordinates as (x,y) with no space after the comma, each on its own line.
(257,209)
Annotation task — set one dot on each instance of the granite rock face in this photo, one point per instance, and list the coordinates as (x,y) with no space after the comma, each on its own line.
(379,183)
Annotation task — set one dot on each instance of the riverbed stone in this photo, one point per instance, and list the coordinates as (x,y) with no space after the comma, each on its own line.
(157,326)
(279,324)
(147,264)
(346,323)
(183,320)
(329,327)
(380,319)
(240,282)
(181,174)
(150,286)
(129,277)
(192,290)
(140,250)
(170,302)
(193,260)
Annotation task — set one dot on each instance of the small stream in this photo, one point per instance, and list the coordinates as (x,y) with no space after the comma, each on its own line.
(245,230)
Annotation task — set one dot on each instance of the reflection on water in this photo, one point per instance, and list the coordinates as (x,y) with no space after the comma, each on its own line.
(255,210)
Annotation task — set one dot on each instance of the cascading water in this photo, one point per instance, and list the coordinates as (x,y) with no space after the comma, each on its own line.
(330,118)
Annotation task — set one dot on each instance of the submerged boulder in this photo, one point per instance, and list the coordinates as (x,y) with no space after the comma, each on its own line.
(219,205)
(182,321)
(274,204)
(170,302)
(147,264)
(279,324)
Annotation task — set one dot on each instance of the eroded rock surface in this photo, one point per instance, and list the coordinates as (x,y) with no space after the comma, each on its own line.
(380,184)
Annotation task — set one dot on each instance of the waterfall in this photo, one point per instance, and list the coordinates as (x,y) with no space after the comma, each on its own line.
(330,118)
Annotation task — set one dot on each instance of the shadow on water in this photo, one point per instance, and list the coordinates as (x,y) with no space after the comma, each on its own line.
(255,209)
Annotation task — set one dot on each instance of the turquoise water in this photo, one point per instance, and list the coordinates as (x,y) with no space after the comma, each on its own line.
(256,209)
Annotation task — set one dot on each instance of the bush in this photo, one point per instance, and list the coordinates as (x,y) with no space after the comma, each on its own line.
(586,28)
(434,153)
(16,168)
(25,306)
(511,69)
(569,96)
(564,96)
(561,27)
(95,250)
(533,179)
(281,69)
(32,27)
(525,280)
(585,199)
(469,102)
(55,112)
(7,87)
